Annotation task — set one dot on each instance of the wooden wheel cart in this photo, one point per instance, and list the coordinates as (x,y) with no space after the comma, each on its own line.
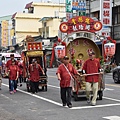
(80,86)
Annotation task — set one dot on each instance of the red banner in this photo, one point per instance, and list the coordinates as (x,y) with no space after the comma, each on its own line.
(80,23)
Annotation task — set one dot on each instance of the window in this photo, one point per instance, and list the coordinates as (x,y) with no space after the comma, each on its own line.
(116,15)
(31,10)
(45,24)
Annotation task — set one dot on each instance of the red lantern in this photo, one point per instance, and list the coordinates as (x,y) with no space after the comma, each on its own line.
(109,49)
(60,51)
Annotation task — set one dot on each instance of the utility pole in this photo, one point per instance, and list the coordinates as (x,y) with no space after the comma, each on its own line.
(113,14)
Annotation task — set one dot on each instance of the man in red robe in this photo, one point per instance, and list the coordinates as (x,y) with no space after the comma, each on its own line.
(13,73)
(20,78)
(64,73)
(91,66)
(9,62)
(34,73)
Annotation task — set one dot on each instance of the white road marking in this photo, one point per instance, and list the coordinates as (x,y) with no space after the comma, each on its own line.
(53,76)
(59,104)
(36,96)
(112,117)
(97,106)
(59,87)
(8,98)
(112,99)
(108,89)
(54,86)
(113,85)
(5,96)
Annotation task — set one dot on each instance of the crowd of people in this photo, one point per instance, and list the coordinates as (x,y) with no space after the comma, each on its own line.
(14,72)
(65,74)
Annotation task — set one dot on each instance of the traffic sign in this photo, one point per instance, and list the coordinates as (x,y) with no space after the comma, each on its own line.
(68,8)
(82,13)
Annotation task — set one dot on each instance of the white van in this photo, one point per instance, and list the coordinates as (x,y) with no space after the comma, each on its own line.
(6,56)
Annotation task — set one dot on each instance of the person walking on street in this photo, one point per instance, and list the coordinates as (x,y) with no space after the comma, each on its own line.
(20,78)
(0,76)
(9,62)
(34,75)
(92,66)
(65,74)
(13,73)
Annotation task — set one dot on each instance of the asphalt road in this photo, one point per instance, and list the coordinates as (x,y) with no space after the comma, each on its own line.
(47,105)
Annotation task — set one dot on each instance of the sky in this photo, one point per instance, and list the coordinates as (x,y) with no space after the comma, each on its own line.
(9,7)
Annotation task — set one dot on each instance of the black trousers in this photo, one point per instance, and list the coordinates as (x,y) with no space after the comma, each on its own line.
(34,86)
(9,85)
(20,79)
(66,95)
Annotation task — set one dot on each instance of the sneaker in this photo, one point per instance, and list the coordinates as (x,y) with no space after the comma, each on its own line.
(15,91)
(88,100)
(70,106)
(64,104)
(93,104)
(20,85)
(11,92)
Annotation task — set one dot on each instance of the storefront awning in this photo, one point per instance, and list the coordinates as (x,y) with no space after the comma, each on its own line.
(45,19)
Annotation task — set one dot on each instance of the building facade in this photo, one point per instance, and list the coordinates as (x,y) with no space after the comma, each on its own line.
(5,31)
(28,23)
(50,26)
(115,28)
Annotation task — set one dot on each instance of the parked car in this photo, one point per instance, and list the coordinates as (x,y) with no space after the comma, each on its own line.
(116,74)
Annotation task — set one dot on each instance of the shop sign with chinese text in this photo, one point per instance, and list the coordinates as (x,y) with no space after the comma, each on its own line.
(80,23)
(69,6)
(79,5)
(106,12)
(34,46)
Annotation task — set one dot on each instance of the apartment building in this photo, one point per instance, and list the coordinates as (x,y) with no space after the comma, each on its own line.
(115,28)
(30,22)
(5,31)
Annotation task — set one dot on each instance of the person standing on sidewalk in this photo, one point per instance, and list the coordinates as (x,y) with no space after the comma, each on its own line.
(13,73)
(65,74)
(91,66)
